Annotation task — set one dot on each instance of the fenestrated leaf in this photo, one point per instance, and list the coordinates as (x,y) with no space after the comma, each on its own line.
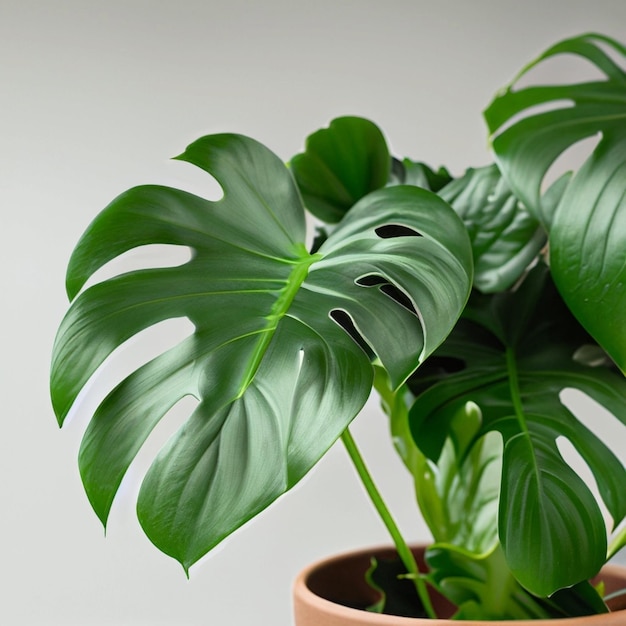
(277,376)
(340,165)
(517,353)
(545,503)
(588,227)
(505,236)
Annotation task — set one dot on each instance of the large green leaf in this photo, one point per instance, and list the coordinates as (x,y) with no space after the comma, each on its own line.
(280,354)
(340,165)
(512,354)
(588,227)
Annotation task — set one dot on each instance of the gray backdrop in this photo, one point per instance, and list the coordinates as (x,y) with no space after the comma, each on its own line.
(96,97)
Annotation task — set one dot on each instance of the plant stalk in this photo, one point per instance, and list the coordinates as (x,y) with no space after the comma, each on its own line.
(617,543)
(402,548)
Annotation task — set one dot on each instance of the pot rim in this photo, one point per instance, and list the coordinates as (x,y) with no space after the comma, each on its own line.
(303,596)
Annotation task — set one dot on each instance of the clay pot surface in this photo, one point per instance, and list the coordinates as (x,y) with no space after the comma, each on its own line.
(324,592)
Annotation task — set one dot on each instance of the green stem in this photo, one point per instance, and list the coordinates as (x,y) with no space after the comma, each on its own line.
(402,548)
(617,543)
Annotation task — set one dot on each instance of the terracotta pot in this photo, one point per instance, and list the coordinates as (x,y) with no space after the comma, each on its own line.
(325,591)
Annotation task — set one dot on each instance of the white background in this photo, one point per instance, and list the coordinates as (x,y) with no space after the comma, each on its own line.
(95,97)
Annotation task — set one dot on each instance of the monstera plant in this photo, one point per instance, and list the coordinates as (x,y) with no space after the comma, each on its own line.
(470,303)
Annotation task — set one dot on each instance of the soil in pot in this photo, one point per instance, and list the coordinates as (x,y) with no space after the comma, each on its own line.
(334,592)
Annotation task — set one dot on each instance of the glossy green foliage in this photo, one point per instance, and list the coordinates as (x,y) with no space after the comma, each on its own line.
(459,496)
(458,492)
(483,588)
(279,359)
(480,585)
(512,354)
(505,236)
(531,127)
(340,165)
(408,172)
(287,341)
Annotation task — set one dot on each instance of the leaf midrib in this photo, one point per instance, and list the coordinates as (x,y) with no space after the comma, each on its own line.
(278,311)
(516,399)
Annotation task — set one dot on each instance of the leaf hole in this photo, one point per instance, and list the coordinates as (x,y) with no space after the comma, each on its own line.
(187,177)
(596,418)
(538,109)
(561,69)
(151,256)
(390,231)
(343,319)
(614,55)
(398,296)
(573,458)
(123,513)
(124,360)
(389,289)
(570,160)
(371,280)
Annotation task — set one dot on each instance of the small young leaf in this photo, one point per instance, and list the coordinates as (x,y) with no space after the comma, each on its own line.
(340,165)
